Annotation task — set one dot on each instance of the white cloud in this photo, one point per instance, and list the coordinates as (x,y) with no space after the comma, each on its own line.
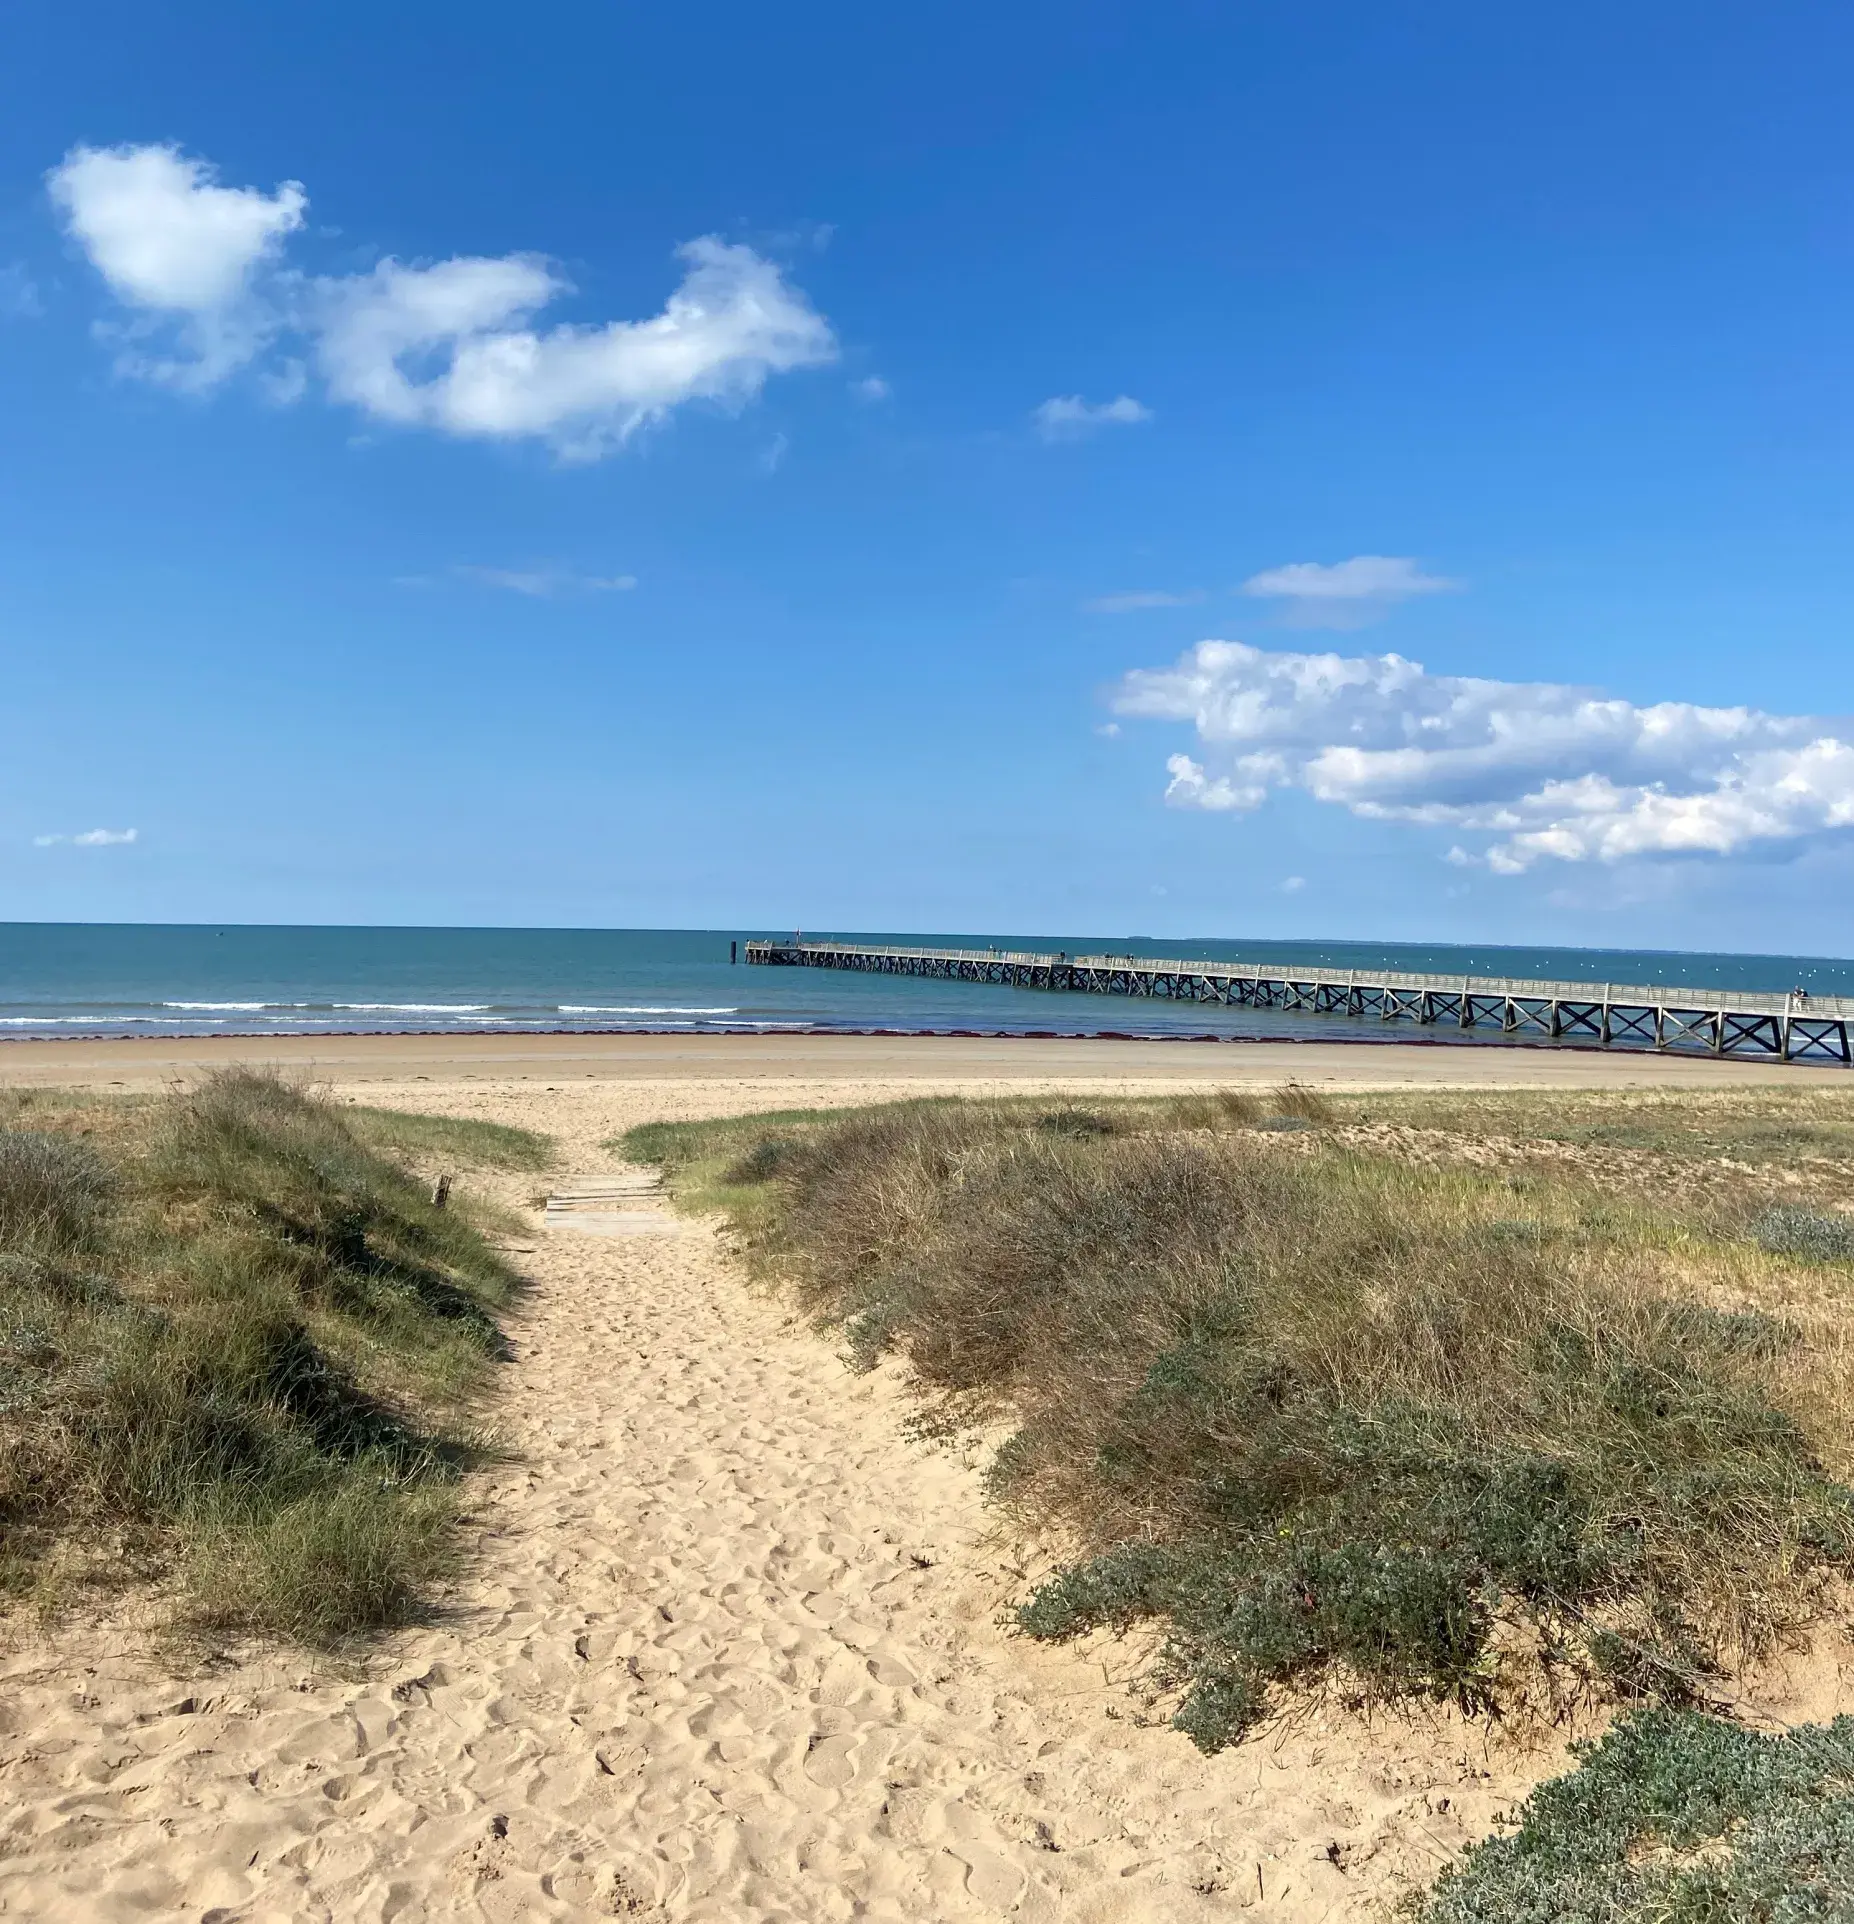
(871,388)
(1543,770)
(1344,594)
(1293,885)
(90,838)
(538,582)
(1135,599)
(171,241)
(450,345)
(1191,787)
(1067,417)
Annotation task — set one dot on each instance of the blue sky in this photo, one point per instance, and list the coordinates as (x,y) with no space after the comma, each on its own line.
(364,555)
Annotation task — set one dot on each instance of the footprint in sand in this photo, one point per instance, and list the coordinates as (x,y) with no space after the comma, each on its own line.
(829,1762)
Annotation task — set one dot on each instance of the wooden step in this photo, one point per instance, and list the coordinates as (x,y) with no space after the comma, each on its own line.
(611,1205)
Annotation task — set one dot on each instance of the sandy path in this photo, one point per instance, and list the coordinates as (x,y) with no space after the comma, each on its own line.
(728,1651)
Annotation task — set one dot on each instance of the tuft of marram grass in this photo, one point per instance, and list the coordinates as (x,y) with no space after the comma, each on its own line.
(54,1192)
(352,1552)
(460,1141)
(241,1346)
(1322,1414)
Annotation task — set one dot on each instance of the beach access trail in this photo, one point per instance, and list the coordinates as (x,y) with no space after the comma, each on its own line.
(726,1647)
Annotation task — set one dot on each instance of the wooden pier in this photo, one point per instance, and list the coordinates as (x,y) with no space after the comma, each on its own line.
(1721,1022)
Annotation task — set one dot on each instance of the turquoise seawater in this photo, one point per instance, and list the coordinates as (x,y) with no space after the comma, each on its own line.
(66,979)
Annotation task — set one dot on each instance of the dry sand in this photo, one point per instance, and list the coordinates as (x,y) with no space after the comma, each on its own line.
(728,1649)
(1353,1061)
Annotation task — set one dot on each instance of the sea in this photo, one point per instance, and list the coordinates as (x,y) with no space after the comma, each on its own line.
(137,979)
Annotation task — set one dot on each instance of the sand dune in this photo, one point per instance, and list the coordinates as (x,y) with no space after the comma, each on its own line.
(728,1650)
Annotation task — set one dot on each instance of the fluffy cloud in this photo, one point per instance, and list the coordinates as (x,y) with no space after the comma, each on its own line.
(450,345)
(1344,594)
(170,241)
(1067,417)
(1544,771)
(90,838)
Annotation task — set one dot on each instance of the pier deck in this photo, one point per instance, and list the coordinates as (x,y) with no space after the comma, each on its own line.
(1720,1022)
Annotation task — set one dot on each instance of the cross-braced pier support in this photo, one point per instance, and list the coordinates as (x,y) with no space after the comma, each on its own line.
(1752,1023)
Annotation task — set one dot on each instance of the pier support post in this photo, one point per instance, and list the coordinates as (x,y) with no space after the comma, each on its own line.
(1786,1028)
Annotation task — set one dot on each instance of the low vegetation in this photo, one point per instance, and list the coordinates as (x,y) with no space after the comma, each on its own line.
(1765,1126)
(457,1141)
(1486,1430)
(239,1350)
(1674,1818)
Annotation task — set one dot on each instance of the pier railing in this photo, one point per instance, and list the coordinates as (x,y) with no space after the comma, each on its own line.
(1775,1026)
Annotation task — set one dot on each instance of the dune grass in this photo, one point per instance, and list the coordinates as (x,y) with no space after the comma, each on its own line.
(1765,1123)
(1328,1416)
(465,1142)
(239,1348)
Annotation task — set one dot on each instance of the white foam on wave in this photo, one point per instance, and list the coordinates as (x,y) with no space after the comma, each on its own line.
(91,1021)
(414,1008)
(636,1008)
(233,1007)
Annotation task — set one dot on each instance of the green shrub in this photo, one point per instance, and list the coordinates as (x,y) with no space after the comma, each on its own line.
(1674,1818)
(1812,1234)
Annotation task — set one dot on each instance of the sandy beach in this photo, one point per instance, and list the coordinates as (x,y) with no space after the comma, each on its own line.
(728,1645)
(956,1061)
(924,994)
